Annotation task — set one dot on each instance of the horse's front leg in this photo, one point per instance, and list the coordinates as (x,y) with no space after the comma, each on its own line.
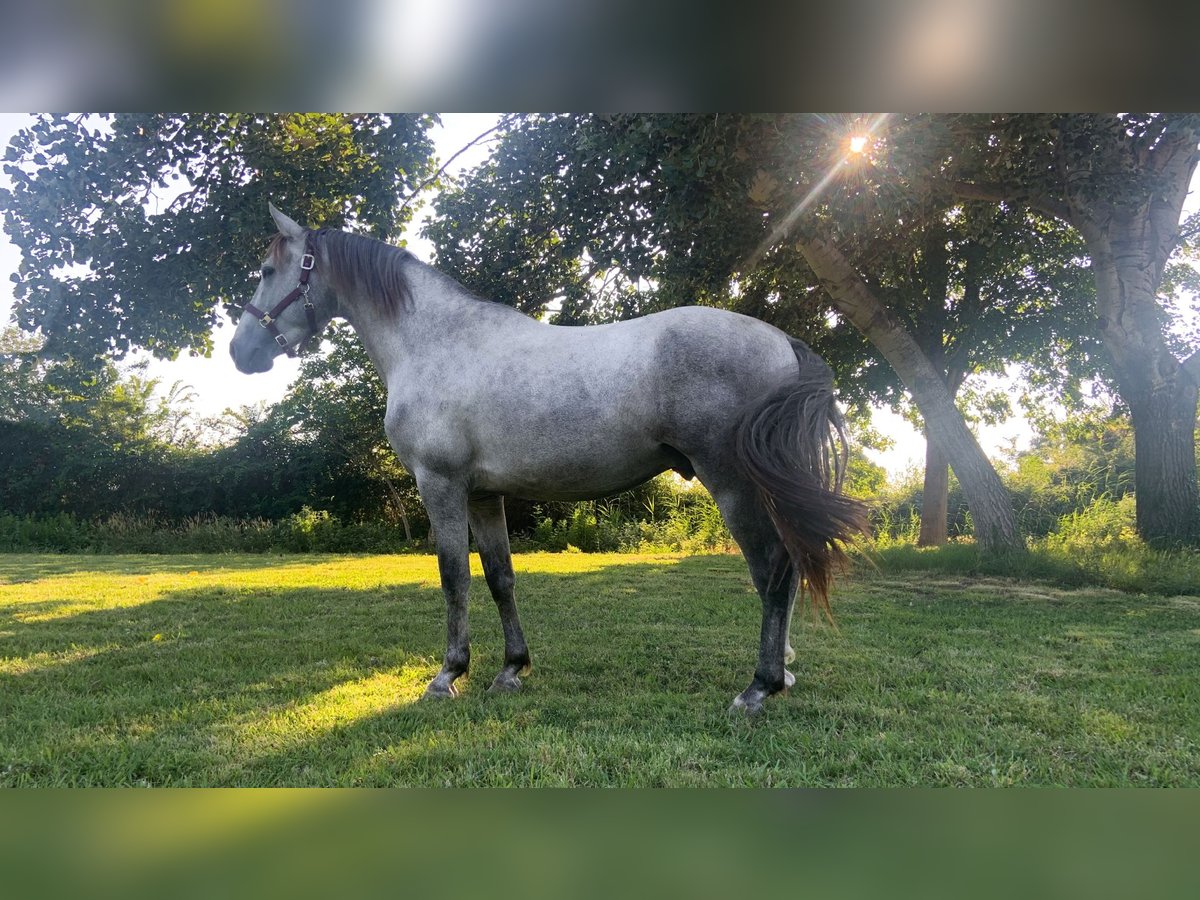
(486,515)
(446,502)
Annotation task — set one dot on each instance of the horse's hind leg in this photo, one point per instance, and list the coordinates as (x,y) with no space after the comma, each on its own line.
(789,655)
(774,578)
(491,537)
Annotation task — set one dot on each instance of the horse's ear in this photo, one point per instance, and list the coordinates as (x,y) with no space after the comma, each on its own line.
(287,226)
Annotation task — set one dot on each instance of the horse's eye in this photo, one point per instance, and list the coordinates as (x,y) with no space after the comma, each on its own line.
(268,271)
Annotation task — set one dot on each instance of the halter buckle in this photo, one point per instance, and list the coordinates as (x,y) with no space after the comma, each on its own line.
(307,261)
(281,340)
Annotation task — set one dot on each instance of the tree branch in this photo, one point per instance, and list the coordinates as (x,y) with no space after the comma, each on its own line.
(183,198)
(1003,193)
(504,120)
(1189,229)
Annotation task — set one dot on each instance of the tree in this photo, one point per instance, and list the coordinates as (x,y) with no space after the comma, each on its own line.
(995,523)
(978,287)
(78,439)
(136,229)
(23,383)
(1120,180)
(620,215)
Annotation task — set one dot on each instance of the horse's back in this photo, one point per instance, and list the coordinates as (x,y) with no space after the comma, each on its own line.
(718,346)
(663,372)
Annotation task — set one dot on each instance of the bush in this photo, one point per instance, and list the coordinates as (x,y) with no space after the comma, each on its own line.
(1104,526)
(61,533)
(678,519)
(664,515)
(1102,542)
(307,531)
(895,511)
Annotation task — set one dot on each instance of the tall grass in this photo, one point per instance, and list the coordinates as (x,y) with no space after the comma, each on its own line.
(1098,545)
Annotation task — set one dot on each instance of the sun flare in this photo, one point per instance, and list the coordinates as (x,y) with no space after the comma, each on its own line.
(858,143)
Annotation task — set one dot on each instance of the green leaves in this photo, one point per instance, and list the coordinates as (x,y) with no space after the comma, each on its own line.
(136,229)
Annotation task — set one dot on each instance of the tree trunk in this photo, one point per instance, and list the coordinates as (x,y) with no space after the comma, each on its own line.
(1164,475)
(935,498)
(991,508)
(400,508)
(1160,391)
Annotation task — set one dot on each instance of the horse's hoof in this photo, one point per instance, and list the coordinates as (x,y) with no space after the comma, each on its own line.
(744,706)
(437,691)
(789,655)
(505,683)
(788,679)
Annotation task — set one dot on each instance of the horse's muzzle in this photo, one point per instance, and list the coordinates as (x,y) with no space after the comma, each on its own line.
(252,360)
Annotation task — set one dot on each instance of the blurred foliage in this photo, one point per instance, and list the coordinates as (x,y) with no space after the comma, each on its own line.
(278,843)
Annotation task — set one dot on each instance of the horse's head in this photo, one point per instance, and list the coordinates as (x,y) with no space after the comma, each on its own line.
(292,305)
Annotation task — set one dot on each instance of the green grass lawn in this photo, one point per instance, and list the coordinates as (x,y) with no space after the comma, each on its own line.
(252,670)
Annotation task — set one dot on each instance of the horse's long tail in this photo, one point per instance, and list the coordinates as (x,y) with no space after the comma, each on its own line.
(792,445)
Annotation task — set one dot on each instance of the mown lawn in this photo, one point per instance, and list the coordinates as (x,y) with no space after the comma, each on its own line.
(251,670)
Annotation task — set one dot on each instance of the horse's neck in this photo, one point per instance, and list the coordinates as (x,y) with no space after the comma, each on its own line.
(437,310)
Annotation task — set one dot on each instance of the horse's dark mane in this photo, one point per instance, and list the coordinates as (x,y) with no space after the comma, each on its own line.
(373,267)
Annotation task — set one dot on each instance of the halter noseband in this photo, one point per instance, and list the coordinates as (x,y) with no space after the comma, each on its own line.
(267,319)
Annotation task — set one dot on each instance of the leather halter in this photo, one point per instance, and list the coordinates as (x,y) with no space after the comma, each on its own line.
(268,319)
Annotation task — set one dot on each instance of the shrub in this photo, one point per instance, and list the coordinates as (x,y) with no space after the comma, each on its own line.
(59,533)
(1103,526)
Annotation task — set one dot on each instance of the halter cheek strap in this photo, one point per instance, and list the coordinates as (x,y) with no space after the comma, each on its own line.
(268,319)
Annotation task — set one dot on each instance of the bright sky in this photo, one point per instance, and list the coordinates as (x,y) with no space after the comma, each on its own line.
(218,385)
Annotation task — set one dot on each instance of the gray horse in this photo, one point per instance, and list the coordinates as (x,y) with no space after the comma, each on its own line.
(484,402)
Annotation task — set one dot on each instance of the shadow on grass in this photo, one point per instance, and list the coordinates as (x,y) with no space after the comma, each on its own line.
(19,568)
(237,685)
(634,664)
